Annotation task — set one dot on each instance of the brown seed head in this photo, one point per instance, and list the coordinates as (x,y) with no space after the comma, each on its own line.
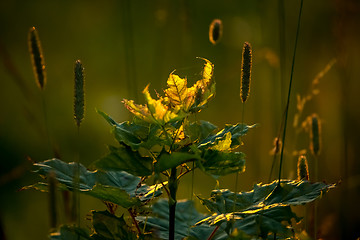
(302,168)
(37,58)
(246,72)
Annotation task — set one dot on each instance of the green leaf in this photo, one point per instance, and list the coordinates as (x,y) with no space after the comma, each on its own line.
(70,233)
(110,227)
(297,192)
(237,131)
(185,217)
(198,131)
(218,163)
(167,161)
(259,222)
(118,187)
(124,159)
(264,209)
(135,134)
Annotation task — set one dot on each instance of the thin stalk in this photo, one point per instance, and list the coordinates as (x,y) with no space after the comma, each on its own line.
(135,222)
(76,191)
(289,93)
(213,232)
(237,173)
(282,42)
(192,180)
(173,185)
(316,202)
(48,139)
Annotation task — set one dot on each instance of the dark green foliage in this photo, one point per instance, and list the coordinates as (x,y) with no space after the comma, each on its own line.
(263,210)
(117,187)
(217,163)
(123,158)
(186,217)
(79,98)
(108,227)
(37,58)
(71,233)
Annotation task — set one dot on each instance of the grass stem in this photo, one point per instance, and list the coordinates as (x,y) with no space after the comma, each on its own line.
(289,92)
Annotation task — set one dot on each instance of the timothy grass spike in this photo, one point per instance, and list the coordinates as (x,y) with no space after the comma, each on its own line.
(79,99)
(302,168)
(215,31)
(246,72)
(37,58)
(315,143)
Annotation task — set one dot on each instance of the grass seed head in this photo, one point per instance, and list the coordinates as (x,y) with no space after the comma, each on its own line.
(246,72)
(215,31)
(37,58)
(79,99)
(315,132)
(302,168)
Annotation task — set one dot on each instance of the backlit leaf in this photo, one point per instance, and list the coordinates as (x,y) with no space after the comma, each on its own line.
(167,161)
(219,163)
(124,159)
(237,131)
(118,187)
(265,209)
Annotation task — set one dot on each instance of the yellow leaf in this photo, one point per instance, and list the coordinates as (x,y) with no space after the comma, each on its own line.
(223,145)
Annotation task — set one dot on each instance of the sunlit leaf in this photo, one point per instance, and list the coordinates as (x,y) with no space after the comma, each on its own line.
(179,100)
(265,208)
(237,131)
(155,111)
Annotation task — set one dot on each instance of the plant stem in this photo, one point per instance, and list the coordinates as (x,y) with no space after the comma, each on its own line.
(134,220)
(289,93)
(213,232)
(173,185)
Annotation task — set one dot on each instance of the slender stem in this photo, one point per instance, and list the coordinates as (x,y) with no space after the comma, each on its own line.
(192,180)
(282,42)
(135,222)
(213,232)
(173,185)
(289,93)
(46,122)
(316,202)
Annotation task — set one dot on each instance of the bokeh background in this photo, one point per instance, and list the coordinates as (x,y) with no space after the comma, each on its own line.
(124,45)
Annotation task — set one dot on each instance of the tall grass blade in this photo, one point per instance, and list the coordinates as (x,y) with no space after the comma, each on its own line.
(289,92)
(37,58)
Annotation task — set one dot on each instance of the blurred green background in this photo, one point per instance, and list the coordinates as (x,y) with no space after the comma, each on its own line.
(124,45)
